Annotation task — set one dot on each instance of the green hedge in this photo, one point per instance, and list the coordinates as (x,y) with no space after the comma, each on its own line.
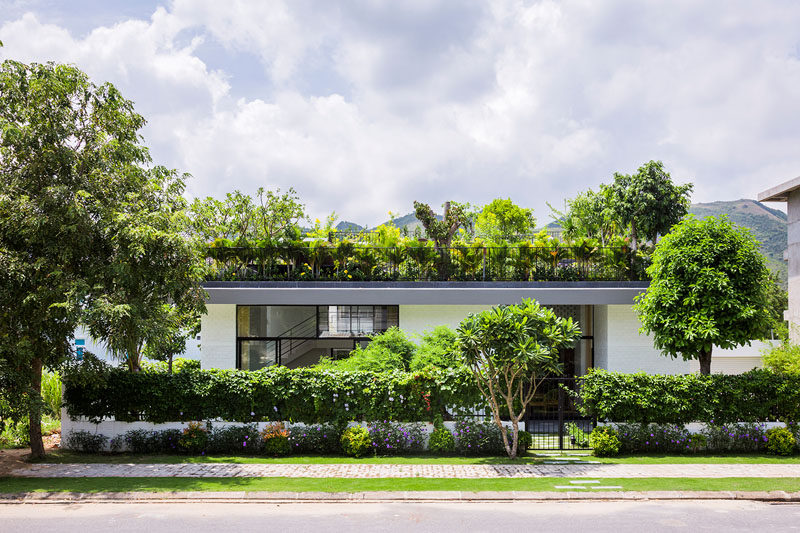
(303,395)
(758,395)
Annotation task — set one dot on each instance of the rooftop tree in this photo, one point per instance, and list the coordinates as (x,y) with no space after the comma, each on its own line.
(510,349)
(501,219)
(72,164)
(441,232)
(648,202)
(710,287)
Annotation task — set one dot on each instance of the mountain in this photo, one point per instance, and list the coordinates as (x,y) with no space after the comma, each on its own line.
(768,226)
(410,221)
(345,225)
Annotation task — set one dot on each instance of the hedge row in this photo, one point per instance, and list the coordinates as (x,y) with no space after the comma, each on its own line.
(758,395)
(302,395)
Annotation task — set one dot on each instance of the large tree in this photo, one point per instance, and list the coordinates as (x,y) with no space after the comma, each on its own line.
(441,232)
(710,287)
(647,202)
(501,219)
(71,164)
(510,349)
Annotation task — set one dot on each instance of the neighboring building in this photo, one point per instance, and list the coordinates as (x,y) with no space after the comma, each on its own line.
(255,324)
(789,192)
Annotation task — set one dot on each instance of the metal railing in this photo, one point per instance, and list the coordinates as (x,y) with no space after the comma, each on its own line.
(424,262)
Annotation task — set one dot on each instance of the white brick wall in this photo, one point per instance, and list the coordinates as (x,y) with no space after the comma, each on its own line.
(620,347)
(218,334)
(415,319)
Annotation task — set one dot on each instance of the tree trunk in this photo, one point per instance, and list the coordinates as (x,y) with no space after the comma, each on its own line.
(35,413)
(705,362)
(170,363)
(633,236)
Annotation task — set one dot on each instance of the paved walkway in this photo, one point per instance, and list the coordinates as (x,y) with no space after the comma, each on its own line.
(411,471)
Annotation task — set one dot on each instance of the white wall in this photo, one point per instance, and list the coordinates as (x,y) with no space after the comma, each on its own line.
(734,361)
(620,347)
(218,333)
(415,319)
(99,349)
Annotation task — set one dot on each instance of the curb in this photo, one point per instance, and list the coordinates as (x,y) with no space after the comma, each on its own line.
(388,496)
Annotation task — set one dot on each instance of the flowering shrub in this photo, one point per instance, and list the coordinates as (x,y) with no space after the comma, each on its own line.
(654,438)
(391,438)
(478,438)
(240,439)
(356,441)
(86,441)
(780,441)
(749,437)
(194,438)
(315,438)
(144,441)
(275,439)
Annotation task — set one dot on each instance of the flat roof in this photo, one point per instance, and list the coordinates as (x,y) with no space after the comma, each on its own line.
(780,193)
(421,293)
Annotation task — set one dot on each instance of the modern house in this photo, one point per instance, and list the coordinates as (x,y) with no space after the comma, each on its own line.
(262,311)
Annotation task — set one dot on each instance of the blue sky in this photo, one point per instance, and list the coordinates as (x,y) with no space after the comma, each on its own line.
(365,106)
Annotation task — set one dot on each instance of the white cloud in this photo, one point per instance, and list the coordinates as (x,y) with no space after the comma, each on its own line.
(370,105)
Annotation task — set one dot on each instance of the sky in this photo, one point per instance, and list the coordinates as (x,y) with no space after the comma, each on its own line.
(365,106)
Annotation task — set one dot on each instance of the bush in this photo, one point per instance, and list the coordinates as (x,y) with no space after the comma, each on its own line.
(478,438)
(238,439)
(387,351)
(577,435)
(525,441)
(391,438)
(194,438)
(697,442)
(745,437)
(356,441)
(275,439)
(51,392)
(758,395)
(780,441)
(652,438)
(303,395)
(143,441)
(436,349)
(604,442)
(15,434)
(315,438)
(783,357)
(441,442)
(86,441)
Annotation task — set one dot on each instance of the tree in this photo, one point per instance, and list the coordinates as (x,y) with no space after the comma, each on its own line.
(590,214)
(169,337)
(709,287)
(502,219)
(441,231)
(648,202)
(510,349)
(71,163)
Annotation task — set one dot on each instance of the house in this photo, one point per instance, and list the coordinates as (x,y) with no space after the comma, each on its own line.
(262,311)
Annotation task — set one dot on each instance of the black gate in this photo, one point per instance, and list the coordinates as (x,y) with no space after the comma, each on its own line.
(552,419)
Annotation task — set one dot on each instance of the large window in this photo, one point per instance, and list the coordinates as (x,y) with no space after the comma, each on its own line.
(296,334)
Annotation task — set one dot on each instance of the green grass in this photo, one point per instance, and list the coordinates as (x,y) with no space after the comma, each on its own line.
(65,457)
(106,484)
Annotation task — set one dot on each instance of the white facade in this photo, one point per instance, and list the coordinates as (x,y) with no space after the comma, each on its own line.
(84,340)
(218,334)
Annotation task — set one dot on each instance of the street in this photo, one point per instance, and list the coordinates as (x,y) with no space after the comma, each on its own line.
(611,516)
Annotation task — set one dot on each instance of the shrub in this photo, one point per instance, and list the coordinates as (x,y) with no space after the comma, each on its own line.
(238,439)
(697,442)
(525,441)
(392,438)
(275,439)
(194,438)
(387,351)
(15,434)
(142,441)
(315,438)
(86,441)
(356,441)
(745,437)
(478,438)
(604,442)
(437,349)
(652,438)
(51,392)
(780,441)
(441,441)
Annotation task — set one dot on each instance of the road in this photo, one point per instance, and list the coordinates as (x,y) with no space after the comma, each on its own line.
(611,516)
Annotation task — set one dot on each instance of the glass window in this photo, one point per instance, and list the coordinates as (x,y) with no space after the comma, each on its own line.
(257,354)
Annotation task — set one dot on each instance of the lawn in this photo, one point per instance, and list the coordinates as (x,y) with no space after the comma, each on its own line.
(115,484)
(64,456)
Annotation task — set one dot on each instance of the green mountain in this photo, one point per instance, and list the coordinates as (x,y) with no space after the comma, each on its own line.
(345,225)
(409,221)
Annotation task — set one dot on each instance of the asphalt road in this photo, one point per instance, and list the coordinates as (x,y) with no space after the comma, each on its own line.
(649,516)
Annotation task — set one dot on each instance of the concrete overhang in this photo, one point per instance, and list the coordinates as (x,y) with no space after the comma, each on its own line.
(780,193)
(421,293)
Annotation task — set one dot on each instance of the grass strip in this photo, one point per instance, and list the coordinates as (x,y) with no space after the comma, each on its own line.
(67,457)
(278,484)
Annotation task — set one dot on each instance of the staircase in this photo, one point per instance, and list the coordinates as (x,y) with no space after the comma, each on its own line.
(292,348)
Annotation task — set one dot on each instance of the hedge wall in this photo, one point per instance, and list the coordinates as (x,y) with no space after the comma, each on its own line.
(278,393)
(758,395)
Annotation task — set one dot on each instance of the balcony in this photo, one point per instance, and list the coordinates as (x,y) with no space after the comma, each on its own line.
(419,261)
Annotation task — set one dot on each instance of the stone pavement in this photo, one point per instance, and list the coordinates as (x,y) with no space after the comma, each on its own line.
(411,470)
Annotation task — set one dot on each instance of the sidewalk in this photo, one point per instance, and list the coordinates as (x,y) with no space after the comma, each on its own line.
(366,471)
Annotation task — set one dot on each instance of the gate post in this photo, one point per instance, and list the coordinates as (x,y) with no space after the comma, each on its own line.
(560,416)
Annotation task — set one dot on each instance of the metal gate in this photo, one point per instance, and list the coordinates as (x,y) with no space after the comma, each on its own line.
(552,419)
